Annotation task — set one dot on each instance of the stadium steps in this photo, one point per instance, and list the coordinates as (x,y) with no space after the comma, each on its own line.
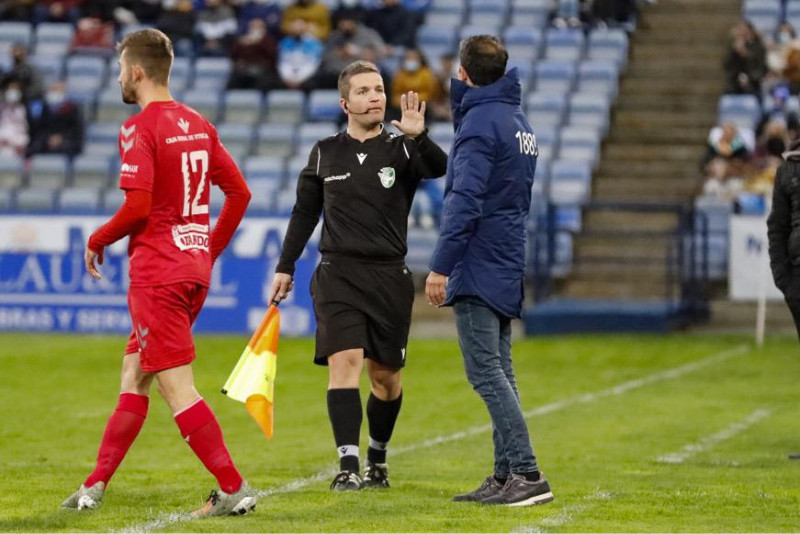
(666,106)
(729,316)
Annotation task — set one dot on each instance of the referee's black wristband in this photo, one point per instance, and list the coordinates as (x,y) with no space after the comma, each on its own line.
(421,137)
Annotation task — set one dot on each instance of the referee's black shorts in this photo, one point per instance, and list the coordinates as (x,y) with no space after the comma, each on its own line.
(362,304)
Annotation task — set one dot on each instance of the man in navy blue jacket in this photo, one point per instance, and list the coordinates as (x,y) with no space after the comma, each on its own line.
(479,261)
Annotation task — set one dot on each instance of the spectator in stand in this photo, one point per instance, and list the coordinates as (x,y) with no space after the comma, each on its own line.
(778,47)
(56,126)
(767,157)
(726,154)
(299,56)
(270,11)
(13,122)
(24,73)
(216,28)
(746,63)
(255,55)
(345,46)
(144,11)
(178,21)
(313,12)
(16,10)
(448,69)
(354,9)
(418,8)
(413,75)
(57,11)
(776,107)
(93,35)
(394,23)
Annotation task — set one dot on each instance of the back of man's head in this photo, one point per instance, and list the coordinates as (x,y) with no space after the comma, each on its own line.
(152,50)
(484,58)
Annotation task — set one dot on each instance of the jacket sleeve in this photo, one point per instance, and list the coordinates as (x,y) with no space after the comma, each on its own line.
(779,227)
(428,160)
(463,204)
(305,214)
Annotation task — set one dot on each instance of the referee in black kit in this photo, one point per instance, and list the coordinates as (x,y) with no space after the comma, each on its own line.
(363,180)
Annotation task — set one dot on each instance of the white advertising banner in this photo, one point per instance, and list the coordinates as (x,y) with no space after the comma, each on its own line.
(749,273)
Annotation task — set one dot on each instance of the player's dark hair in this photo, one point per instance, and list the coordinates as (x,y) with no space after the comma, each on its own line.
(152,50)
(356,67)
(484,58)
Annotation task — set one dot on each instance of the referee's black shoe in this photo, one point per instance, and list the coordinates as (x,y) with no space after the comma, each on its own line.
(347,481)
(794,456)
(518,491)
(376,475)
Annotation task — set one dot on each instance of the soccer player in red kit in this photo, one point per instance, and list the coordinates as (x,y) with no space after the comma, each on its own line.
(171,155)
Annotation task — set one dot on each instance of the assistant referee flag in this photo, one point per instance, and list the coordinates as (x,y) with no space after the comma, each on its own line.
(252,381)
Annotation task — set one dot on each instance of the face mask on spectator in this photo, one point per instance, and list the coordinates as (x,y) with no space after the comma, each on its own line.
(784,37)
(256,35)
(411,65)
(55,98)
(13,96)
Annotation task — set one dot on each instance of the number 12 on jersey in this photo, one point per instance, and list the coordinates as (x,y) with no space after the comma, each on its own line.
(193,163)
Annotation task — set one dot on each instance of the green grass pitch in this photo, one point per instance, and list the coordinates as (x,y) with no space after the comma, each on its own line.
(678,433)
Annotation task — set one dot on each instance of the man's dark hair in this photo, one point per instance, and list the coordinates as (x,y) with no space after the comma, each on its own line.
(152,50)
(484,58)
(356,67)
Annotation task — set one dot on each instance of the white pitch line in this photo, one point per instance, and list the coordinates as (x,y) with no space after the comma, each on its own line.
(709,442)
(166,519)
(566,514)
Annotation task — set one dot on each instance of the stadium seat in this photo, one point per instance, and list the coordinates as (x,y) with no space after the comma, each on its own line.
(104,149)
(181,74)
(52,34)
(263,195)
(580,144)
(11,171)
(444,19)
(237,138)
(564,45)
(555,76)
(523,42)
(36,199)
(311,132)
(211,73)
(598,77)
(441,132)
(48,171)
(742,110)
(478,29)
(90,170)
(275,140)
(111,109)
(547,140)
(590,110)
(530,13)
(16,32)
(285,200)
(323,105)
(6,200)
(285,106)
(111,199)
(85,66)
(79,200)
(609,45)
(242,106)
(568,9)
(764,15)
(488,12)
(264,168)
(204,101)
(50,67)
(442,36)
(570,182)
(546,109)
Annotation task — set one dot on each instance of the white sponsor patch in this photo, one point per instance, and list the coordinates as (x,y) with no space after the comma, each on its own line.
(336,178)
(185,138)
(127,168)
(191,236)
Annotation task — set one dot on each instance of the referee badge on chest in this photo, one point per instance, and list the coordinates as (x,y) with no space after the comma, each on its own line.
(386,175)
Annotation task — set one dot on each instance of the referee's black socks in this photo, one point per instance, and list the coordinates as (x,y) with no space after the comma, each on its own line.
(382,415)
(344,410)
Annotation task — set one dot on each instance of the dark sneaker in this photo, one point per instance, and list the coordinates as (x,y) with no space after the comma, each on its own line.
(376,475)
(794,456)
(489,488)
(347,481)
(220,503)
(521,492)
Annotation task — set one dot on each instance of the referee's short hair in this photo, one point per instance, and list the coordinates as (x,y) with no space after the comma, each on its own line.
(484,58)
(152,50)
(356,67)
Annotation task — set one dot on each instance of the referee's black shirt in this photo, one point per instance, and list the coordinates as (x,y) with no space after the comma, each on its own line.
(365,190)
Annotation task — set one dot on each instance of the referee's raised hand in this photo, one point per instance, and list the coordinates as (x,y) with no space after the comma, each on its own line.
(412,121)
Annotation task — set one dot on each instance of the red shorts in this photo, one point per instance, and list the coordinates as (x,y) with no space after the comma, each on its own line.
(162,319)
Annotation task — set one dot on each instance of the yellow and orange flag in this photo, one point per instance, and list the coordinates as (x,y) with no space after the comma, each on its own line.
(252,381)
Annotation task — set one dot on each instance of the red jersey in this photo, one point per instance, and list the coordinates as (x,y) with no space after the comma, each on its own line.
(174,153)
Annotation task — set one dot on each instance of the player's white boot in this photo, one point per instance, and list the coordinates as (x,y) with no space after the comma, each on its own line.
(86,498)
(221,503)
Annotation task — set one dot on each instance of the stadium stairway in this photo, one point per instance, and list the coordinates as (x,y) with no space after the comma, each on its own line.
(667,104)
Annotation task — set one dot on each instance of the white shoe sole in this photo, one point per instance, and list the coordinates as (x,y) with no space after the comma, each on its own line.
(544,498)
(246,505)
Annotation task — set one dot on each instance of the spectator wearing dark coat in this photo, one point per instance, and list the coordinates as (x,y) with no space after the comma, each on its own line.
(395,24)
(24,73)
(255,56)
(56,125)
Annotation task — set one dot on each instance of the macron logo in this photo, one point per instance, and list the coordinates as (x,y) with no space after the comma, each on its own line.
(183,124)
(361,158)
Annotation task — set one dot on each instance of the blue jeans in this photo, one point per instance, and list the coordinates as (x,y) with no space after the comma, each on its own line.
(485,340)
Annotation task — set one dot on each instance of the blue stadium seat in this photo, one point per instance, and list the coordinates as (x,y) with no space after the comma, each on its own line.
(211,73)
(6,200)
(103,132)
(285,200)
(181,74)
(50,67)
(441,36)
(765,15)
(609,45)
(600,77)
(323,105)
(311,132)
(568,218)
(237,138)
(294,167)
(541,178)
(441,132)
(111,109)
(259,168)
(111,199)
(568,8)
(204,101)
(263,195)
(530,13)
(523,42)
(79,200)
(275,140)
(793,14)
(478,29)
(48,171)
(90,66)
(285,106)
(53,33)
(101,149)
(89,170)
(546,109)
(742,110)
(570,182)
(36,199)
(16,32)
(444,19)
(555,76)
(547,139)
(216,198)
(589,110)
(488,12)
(564,45)
(579,143)
(11,171)
(243,106)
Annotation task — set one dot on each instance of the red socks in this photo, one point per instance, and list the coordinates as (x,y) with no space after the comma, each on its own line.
(201,431)
(121,430)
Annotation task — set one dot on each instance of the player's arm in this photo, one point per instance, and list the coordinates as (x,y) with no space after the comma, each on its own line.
(463,207)
(226,175)
(305,216)
(779,228)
